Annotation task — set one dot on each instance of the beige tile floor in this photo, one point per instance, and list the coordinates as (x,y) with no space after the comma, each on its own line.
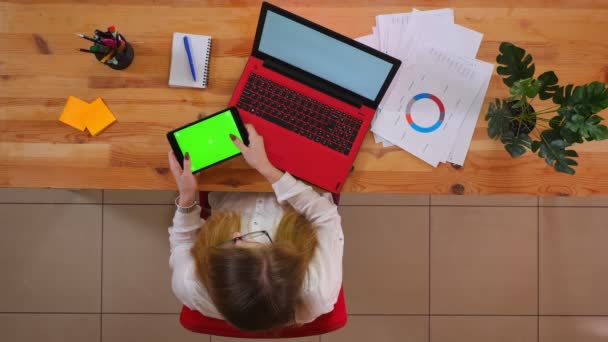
(92,266)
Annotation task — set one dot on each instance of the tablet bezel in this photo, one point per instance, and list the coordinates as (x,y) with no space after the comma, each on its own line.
(237,120)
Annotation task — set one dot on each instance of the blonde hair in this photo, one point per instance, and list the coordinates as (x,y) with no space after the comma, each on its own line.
(255,288)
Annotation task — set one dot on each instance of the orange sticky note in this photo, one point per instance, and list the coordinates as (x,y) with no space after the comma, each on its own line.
(75,113)
(99,117)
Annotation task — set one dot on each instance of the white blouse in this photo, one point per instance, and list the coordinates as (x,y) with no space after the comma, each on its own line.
(263,211)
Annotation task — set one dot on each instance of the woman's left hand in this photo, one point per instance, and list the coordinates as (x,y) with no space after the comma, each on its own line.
(186,181)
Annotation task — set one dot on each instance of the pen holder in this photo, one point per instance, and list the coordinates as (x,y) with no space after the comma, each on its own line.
(121,60)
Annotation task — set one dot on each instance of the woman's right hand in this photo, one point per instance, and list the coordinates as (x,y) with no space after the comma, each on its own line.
(255,154)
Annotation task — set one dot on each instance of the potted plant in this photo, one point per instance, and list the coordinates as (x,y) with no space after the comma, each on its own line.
(520,127)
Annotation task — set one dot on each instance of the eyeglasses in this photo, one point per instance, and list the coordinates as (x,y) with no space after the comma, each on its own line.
(249,237)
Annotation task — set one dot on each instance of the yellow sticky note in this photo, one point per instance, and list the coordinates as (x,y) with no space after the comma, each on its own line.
(99,117)
(75,113)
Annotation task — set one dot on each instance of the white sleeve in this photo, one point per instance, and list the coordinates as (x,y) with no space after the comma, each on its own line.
(316,208)
(325,269)
(182,235)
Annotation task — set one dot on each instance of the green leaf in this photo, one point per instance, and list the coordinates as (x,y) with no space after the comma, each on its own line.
(586,100)
(598,132)
(552,148)
(515,150)
(563,167)
(594,95)
(559,144)
(562,94)
(555,122)
(566,112)
(519,103)
(595,119)
(514,63)
(548,85)
(535,146)
(588,128)
(499,118)
(516,145)
(571,153)
(570,136)
(527,87)
(550,135)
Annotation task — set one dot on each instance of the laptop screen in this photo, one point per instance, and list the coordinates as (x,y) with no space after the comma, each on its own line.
(323,56)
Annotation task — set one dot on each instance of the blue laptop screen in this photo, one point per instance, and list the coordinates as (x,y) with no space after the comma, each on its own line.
(323,56)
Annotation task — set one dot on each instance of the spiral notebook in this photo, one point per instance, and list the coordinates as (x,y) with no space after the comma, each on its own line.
(180,75)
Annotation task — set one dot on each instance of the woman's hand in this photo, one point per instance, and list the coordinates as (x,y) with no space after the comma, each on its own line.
(186,181)
(255,154)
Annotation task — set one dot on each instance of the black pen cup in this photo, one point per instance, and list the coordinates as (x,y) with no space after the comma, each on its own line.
(121,60)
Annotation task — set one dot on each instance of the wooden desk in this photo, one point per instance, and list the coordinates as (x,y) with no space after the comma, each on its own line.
(40,68)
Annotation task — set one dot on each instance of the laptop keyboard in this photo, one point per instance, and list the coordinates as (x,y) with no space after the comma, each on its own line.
(299,114)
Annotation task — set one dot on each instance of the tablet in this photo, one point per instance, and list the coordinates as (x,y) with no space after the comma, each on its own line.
(207,141)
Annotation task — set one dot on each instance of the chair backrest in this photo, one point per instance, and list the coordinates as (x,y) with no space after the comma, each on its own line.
(197,322)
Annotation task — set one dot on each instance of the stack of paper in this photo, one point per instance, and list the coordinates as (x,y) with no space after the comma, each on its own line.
(432,105)
(94,116)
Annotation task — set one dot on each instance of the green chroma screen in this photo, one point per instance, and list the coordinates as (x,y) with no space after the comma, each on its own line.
(208,141)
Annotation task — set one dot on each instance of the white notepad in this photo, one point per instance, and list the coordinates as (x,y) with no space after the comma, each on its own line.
(180,75)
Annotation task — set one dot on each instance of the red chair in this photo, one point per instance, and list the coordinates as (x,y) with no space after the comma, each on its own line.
(197,322)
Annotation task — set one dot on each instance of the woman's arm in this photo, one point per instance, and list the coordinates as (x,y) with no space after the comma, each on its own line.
(271,173)
(182,234)
(301,197)
(305,200)
(255,154)
(187,216)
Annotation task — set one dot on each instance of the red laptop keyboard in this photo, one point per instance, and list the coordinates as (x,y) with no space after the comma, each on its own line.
(299,113)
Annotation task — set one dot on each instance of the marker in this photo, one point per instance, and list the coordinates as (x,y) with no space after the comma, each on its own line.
(114,33)
(99,49)
(111,43)
(112,30)
(187,45)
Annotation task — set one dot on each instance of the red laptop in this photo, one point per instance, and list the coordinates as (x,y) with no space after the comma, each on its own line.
(311,93)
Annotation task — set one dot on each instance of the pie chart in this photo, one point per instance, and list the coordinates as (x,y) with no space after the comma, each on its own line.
(425,129)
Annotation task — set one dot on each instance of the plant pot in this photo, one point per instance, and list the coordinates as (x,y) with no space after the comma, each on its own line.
(125,58)
(527,125)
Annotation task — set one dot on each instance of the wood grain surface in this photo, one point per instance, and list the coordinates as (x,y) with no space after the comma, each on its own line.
(40,67)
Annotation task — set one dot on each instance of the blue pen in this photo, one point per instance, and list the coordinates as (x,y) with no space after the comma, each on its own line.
(187,45)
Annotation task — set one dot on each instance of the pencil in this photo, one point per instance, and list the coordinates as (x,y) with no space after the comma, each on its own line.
(108,56)
(87,38)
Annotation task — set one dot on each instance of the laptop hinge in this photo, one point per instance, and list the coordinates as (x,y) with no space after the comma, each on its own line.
(302,77)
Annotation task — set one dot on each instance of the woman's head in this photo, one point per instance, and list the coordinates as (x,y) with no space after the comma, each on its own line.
(255,286)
